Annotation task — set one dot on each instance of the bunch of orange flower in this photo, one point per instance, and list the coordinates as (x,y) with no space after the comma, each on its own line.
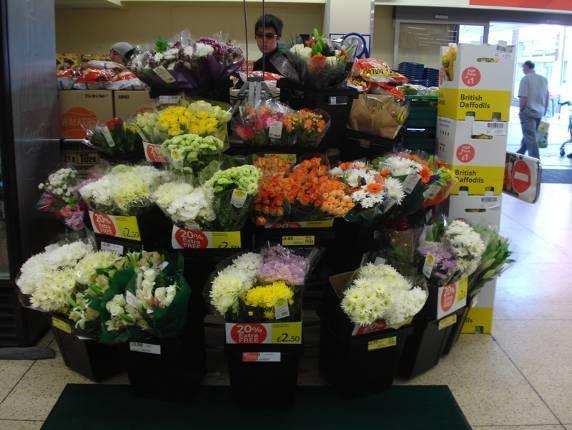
(308,188)
(308,126)
(273,165)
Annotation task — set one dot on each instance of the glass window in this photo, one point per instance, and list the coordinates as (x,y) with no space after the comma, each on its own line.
(421,43)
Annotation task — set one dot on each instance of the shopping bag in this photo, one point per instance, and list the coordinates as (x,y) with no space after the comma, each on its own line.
(543,134)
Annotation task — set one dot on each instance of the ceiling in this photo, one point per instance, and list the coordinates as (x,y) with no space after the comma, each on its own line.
(87,4)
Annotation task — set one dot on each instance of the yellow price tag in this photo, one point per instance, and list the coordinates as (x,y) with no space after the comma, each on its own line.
(324,223)
(298,240)
(226,239)
(287,333)
(127,227)
(61,325)
(462,289)
(447,322)
(387,342)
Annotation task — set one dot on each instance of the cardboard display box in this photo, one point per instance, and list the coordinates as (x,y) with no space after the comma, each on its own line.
(483,105)
(484,210)
(130,103)
(472,143)
(81,109)
(478,180)
(486,67)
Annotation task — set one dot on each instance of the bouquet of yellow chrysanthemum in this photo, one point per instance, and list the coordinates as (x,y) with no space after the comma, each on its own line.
(265,286)
(200,118)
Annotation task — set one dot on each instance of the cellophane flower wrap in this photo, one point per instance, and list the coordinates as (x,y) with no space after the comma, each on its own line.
(426,181)
(319,65)
(190,153)
(379,292)
(264,124)
(188,64)
(233,191)
(307,126)
(60,196)
(448,242)
(263,286)
(198,118)
(494,261)
(117,140)
(145,301)
(305,192)
(125,190)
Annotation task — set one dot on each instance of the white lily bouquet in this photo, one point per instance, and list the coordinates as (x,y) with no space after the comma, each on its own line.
(379,292)
(125,190)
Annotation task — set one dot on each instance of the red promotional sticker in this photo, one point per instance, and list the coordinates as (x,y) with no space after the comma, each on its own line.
(191,239)
(153,153)
(471,76)
(103,224)
(448,295)
(371,328)
(465,153)
(521,177)
(248,333)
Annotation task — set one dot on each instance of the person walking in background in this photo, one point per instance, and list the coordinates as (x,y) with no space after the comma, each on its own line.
(533,97)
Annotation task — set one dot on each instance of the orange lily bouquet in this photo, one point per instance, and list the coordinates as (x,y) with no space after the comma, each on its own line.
(302,193)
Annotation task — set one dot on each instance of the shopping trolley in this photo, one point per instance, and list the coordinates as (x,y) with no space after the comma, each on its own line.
(563,147)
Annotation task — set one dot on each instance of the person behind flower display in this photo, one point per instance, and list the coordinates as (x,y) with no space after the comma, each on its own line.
(122,52)
(268,31)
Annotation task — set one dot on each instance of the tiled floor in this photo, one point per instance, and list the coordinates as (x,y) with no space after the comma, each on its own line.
(518,379)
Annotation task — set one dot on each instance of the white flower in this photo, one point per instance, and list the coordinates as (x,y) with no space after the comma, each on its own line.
(379,292)
(193,208)
(158,57)
(188,51)
(401,166)
(171,54)
(203,50)
(227,287)
(394,189)
(54,292)
(164,296)
(466,244)
(301,51)
(55,257)
(86,269)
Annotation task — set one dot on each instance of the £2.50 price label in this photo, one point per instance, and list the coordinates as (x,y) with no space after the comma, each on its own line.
(61,325)
(287,333)
(125,227)
(197,239)
(298,240)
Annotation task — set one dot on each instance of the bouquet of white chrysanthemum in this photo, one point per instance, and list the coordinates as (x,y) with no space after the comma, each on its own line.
(379,292)
(185,205)
(125,190)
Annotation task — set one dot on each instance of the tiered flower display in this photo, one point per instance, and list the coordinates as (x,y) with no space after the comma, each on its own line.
(60,197)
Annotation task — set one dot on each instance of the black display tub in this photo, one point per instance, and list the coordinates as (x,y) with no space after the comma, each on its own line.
(263,375)
(173,368)
(337,102)
(426,345)
(457,330)
(356,360)
(87,357)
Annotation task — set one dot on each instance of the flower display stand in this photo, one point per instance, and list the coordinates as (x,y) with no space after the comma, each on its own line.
(424,348)
(85,356)
(263,361)
(356,360)
(173,368)
(458,328)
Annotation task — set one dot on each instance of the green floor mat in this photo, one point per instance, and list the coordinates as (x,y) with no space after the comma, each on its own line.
(115,407)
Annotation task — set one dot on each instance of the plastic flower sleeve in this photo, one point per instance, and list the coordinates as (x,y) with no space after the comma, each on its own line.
(264,124)
(308,126)
(60,196)
(116,140)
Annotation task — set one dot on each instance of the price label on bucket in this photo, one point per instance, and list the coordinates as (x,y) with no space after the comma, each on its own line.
(387,342)
(61,325)
(264,333)
(447,322)
(261,357)
(298,240)
(125,227)
(145,348)
(451,298)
